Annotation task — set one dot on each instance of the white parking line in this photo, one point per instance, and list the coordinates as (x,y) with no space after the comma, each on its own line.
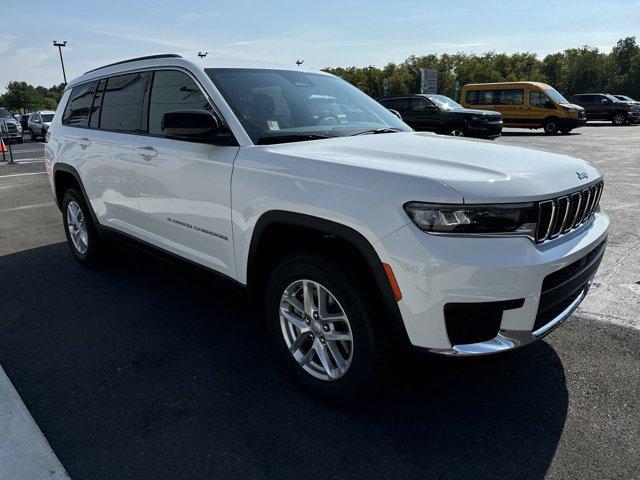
(29,160)
(24,451)
(26,207)
(22,174)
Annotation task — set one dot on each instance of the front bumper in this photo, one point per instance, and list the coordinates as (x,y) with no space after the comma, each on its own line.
(485,129)
(436,271)
(572,122)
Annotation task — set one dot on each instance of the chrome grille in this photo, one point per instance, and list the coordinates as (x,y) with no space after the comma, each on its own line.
(563,214)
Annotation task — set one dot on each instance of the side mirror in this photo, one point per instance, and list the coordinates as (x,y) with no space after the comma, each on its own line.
(35,120)
(197,124)
(395,112)
(605,100)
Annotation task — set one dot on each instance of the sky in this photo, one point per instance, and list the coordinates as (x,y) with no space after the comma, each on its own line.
(322,33)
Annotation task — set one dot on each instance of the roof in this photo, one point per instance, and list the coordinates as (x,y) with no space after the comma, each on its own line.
(541,85)
(170,59)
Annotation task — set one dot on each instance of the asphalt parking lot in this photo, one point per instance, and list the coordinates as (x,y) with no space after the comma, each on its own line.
(145,370)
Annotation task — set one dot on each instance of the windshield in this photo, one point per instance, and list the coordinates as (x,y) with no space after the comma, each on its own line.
(4,113)
(624,98)
(556,96)
(289,105)
(444,102)
(47,117)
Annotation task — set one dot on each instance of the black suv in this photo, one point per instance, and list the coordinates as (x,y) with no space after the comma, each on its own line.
(602,106)
(440,114)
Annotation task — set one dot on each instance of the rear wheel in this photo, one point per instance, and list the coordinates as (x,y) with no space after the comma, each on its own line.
(619,118)
(82,236)
(322,324)
(551,126)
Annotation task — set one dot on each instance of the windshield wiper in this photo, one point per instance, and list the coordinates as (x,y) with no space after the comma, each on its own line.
(376,131)
(298,137)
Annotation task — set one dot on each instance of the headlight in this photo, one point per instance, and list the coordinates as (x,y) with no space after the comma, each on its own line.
(503,219)
(19,127)
(569,109)
(479,118)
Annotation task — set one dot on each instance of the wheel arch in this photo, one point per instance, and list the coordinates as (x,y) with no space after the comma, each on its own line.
(266,247)
(66,176)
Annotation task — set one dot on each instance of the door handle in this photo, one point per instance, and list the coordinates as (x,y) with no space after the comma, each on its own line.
(147,152)
(84,142)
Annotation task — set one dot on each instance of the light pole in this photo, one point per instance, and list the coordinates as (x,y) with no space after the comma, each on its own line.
(202,54)
(60,45)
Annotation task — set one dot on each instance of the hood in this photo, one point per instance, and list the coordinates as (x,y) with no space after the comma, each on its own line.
(480,171)
(478,112)
(571,105)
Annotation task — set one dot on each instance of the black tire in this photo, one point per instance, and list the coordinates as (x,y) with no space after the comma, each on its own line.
(456,131)
(94,246)
(32,136)
(20,140)
(551,126)
(619,119)
(367,359)
(566,130)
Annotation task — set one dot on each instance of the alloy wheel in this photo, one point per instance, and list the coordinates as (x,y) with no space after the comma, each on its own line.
(316,330)
(456,132)
(77,227)
(618,119)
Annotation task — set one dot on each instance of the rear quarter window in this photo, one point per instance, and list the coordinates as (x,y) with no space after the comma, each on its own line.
(76,113)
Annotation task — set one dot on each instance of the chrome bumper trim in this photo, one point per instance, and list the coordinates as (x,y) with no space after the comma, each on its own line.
(511,339)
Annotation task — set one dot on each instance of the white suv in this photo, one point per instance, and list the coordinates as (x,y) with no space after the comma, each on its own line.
(358,233)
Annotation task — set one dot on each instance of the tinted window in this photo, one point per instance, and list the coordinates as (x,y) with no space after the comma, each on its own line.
(94,122)
(419,104)
(47,117)
(509,97)
(4,113)
(76,113)
(172,91)
(402,104)
(122,102)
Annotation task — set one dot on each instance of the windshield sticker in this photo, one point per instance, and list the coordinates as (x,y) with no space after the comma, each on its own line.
(273,125)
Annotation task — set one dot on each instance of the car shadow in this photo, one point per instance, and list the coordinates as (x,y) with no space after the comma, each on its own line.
(141,369)
(538,133)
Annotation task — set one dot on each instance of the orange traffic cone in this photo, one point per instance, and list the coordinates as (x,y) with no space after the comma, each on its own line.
(3,147)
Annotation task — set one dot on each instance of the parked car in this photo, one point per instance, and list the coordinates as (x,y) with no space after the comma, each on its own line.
(39,123)
(14,130)
(526,105)
(24,121)
(357,234)
(440,114)
(602,106)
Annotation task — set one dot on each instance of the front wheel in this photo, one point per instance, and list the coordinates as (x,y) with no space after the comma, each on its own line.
(619,119)
(82,236)
(456,132)
(321,321)
(566,130)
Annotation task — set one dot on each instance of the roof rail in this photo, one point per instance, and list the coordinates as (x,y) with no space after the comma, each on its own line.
(149,57)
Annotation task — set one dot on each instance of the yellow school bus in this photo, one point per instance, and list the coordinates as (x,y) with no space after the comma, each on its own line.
(525,104)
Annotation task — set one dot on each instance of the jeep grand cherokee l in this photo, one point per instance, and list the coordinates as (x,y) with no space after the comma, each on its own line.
(357,233)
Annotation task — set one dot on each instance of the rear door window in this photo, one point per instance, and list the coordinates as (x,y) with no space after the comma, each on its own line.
(76,113)
(122,103)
